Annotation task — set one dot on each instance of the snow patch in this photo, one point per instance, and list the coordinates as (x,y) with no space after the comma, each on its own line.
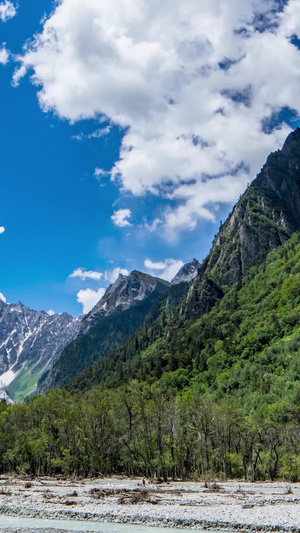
(7,378)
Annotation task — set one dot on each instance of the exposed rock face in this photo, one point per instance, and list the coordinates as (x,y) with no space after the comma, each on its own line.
(122,294)
(29,342)
(187,272)
(264,218)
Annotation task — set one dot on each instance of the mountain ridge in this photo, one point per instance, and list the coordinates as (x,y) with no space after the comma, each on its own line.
(32,342)
(259,223)
(263,219)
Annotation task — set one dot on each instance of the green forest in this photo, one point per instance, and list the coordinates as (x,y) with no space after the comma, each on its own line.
(216,396)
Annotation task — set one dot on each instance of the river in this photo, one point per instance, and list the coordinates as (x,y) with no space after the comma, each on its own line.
(75,525)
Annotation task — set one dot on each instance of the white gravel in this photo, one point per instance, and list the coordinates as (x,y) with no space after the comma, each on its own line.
(242,506)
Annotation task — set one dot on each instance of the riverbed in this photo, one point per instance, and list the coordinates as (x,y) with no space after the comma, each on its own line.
(117,501)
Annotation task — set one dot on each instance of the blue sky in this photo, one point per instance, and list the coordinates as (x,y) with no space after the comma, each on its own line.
(56,212)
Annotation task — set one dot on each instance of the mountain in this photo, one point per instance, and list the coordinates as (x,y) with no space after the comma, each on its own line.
(187,272)
(121,295)
(117,315)
(265,217)
(32,343)
(29,342)
(209,385)
(218,398)
(267,214)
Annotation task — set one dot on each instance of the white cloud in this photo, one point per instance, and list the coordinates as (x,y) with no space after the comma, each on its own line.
(99,173)
(4,55)
(120,218)
(89,298)
(2,229)
(2,297)
(191,83)
(97,134)
(154,266)
(19,73)
(84,274)
(112,275)
(168,268)
(7,11)
(51,312)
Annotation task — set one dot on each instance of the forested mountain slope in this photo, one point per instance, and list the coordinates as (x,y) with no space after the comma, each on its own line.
(226,349)
(265,217)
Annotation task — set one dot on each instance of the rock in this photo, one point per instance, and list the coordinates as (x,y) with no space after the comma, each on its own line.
(187,272)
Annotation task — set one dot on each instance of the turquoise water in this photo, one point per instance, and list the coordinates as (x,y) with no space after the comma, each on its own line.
(75,525)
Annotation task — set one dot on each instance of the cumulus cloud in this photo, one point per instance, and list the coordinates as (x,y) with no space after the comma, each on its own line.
(84,274)
(112,275)
(192,87)
(154,266)
(4,55)
(168,268)
(51,312)
(2,297)
(120,218)
(2,229)
(88,298)
(7,11)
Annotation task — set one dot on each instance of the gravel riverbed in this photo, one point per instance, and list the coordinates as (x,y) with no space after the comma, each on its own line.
(227,506)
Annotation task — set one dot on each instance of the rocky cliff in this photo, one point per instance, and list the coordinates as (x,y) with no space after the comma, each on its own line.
(267,214)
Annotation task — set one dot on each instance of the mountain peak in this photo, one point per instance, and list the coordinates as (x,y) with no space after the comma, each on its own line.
(187,272)
(292,142)
(123,293)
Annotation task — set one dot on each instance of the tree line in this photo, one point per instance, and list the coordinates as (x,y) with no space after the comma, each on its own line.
(151,430)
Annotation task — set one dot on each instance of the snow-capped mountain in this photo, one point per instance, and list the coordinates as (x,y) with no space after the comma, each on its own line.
(30,341)
(119,314)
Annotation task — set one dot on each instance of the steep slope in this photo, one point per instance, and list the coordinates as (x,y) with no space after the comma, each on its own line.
(29,342)
(118,314)
(265,217)
(267,214)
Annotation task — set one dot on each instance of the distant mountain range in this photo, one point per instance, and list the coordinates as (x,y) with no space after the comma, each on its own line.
(32,342)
